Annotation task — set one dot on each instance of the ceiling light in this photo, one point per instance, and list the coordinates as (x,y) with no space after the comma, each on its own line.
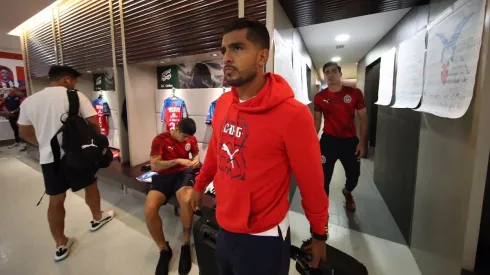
(336,59)
(89,72)
(214,54)
(161,62)
(342,37)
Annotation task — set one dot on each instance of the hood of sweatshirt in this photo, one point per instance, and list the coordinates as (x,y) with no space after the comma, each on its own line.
(275,91)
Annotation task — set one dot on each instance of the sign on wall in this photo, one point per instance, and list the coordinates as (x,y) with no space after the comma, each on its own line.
(104,81)
(453,49)
(410,71)
(386,76)
(191,75)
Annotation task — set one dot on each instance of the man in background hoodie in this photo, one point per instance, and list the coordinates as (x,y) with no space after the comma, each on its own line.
(261,135)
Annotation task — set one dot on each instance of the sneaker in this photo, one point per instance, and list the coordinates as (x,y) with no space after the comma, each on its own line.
(23,147)
(164,261)
(63,251)
(350,204)
(13,145)
(185,262)
(106,217)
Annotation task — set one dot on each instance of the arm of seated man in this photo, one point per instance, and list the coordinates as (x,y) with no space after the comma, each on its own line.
(157,164)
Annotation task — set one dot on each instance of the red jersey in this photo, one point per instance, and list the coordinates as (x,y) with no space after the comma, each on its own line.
(339,110)
(168,148)
(103,111)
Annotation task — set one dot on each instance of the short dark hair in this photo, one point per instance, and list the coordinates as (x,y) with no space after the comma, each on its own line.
(328,64)
(187,126)
(56,72)
(256,31)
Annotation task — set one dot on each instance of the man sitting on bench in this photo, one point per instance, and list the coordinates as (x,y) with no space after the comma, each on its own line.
(170,158)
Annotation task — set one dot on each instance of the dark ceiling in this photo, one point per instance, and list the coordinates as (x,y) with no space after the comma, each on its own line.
(309,12)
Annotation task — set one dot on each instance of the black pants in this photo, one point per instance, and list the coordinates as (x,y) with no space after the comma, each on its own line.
(242,254)
(343,149)
(15,127)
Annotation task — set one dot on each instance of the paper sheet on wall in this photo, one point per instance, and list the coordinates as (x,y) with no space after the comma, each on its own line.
(410,71)
(386,73)
(453,50)
(300,93)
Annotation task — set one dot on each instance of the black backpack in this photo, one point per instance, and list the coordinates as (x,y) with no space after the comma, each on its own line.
(85,149)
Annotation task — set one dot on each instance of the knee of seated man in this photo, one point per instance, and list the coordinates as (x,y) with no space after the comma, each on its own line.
(151,209)
(184,196)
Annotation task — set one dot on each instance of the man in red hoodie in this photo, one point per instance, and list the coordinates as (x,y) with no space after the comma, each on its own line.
(261,135)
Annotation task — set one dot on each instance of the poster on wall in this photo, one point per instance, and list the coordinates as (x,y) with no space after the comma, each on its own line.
(410,71)
(386,76)
(104,81)
(453,50)
(196,75)
(11,71)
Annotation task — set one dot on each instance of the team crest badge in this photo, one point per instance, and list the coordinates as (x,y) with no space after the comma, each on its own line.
(324,159)
(188,147)
(347,99)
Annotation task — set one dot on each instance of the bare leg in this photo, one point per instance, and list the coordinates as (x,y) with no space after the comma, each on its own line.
(154,201)
(186,212)
(92,199)
(56,218)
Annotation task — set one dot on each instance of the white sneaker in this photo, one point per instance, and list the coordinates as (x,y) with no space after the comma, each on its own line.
(13,145)
(23,147)
(106,217)
(63,251)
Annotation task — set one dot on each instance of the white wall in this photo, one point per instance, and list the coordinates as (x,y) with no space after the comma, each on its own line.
(141,83)
(293,37)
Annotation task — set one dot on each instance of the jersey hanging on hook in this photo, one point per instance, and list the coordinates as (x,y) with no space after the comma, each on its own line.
(173,110)
(103,111)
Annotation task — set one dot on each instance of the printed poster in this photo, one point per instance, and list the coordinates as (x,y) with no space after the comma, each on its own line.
(195,75)
(453,50)
(410,71)
(386,76)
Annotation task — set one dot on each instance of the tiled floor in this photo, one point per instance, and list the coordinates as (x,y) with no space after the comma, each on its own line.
(372,215)
(124,245)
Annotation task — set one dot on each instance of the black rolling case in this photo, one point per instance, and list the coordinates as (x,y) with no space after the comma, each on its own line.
(205,232)
(338,263)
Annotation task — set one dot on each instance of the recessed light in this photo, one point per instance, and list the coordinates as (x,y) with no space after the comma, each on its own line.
(336,59)
(161,62)
(214,54)
(89,72)
(342,37)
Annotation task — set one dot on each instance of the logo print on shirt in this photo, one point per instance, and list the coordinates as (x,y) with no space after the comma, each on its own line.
(170,147)
(89,145)
(327,100)
(347,99)
(231,158)
(188,147)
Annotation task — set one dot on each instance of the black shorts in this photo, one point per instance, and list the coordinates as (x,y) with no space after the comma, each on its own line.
(58,182)
(169,184)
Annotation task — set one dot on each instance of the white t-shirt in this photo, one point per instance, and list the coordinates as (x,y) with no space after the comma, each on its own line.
(43,111)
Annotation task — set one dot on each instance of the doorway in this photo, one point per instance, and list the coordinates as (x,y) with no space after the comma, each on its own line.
(370,98)
(482,266)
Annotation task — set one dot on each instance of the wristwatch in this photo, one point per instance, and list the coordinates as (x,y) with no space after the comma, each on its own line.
(322,237)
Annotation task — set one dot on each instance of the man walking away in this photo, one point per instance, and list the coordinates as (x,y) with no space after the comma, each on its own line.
(338,105)
(250,159)
(11,111)
(39,121)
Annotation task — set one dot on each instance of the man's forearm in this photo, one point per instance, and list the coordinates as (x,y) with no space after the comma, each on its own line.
(163,164)
(318,124)
(29,137)
(364,128)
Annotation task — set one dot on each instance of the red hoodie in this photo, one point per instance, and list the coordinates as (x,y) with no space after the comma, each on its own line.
(255,147)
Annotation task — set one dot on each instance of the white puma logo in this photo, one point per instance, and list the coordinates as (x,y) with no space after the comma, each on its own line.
(89,145)
(225,148)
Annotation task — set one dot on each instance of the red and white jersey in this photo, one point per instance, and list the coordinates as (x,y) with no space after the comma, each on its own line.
(173,111)
(103,111)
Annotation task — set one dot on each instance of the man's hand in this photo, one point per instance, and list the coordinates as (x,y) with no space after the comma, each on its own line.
(318,250)
(184,162)
(195,163)
(360,150)
(196,200)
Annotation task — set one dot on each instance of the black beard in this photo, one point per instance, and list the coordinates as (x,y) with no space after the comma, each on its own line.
(240,81)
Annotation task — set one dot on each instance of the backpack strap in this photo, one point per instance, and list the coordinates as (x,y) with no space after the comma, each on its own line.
(73,110)
(73,101)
